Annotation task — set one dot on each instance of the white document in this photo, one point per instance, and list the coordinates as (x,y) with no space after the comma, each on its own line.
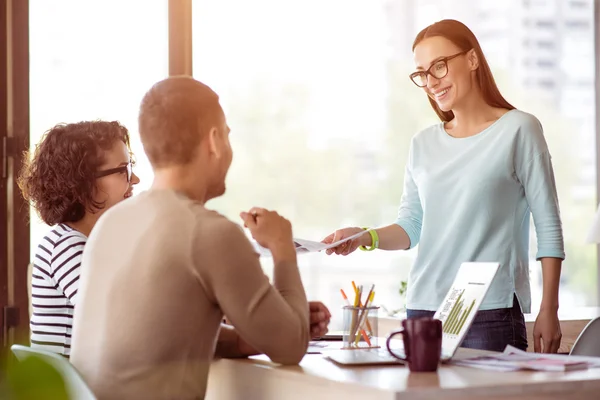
(307,246)
(513,359)
(594,362)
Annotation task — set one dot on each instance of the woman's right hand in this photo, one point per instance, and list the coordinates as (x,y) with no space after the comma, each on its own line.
(349,246)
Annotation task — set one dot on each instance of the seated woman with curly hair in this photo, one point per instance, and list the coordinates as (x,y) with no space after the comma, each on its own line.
(77,172)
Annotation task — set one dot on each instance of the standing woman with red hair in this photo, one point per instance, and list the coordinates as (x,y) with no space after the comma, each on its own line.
(471,184)
(77,172)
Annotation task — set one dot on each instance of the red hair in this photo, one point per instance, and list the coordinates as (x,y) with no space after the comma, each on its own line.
(459,34)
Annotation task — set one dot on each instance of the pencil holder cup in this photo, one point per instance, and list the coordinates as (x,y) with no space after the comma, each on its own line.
(360,327)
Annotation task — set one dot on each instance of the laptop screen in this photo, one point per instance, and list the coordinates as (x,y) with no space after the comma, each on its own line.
(462,302)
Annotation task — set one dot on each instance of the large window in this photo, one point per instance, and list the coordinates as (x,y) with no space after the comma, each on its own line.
(94,60)
(322,112)
(321,109)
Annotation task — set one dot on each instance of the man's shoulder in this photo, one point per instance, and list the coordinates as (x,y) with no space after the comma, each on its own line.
(165,205)
(167,211)
(210,222)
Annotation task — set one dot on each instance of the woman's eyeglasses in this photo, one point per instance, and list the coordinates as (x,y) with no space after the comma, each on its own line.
(438,70)
(125,168)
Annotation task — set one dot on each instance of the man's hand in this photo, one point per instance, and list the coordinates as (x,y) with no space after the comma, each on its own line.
(232,345)
(245,349)
(319,319)
(267,227)
(546,328)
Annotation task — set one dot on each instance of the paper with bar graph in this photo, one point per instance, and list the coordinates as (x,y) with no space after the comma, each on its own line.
(463,300)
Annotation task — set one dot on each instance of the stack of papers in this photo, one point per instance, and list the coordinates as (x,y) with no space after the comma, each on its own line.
(513,359)
(307,246)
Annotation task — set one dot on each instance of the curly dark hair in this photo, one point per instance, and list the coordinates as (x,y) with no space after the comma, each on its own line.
(60,178)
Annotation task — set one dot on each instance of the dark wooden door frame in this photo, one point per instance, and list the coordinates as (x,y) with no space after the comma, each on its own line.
(14,134)
(3,181)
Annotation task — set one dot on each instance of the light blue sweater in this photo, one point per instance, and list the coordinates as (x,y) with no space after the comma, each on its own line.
(470,199)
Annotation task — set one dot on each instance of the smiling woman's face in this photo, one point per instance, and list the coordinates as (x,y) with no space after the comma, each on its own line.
(113,188)
(452,88)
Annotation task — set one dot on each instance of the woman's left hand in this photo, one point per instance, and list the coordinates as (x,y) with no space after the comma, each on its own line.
(546,331)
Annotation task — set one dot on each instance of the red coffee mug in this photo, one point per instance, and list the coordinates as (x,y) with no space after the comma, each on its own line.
(422,339)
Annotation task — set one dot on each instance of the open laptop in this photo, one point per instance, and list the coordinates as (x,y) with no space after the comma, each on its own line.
(456,313)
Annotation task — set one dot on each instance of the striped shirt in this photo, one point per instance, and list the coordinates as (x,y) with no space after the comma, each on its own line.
(54,285)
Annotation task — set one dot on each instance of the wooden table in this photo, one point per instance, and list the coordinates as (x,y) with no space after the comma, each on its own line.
(317,378)
(572,322)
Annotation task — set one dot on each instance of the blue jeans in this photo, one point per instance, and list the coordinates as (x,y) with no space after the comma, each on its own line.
(491,329)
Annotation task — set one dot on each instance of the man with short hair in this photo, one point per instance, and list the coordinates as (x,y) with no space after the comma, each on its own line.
(160,270)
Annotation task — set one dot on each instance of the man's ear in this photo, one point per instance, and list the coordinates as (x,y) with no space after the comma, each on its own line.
(473,59)
(213,142)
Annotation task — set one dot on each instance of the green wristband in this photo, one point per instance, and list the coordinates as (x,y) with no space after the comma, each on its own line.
(374,240)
